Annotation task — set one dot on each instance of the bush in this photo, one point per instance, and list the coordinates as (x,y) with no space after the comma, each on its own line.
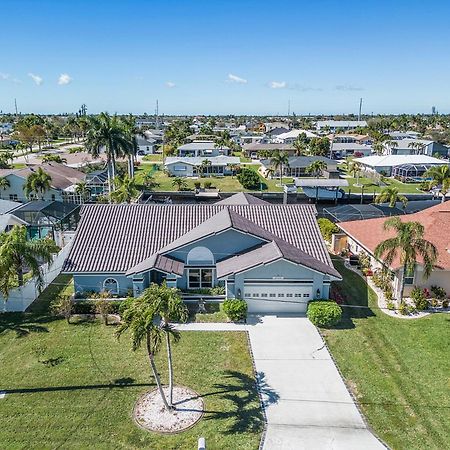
(323,313)
(90,306)
(438,292)
(249,179)
(197,184)
(207,184)
(123,305)
(235,309)
(403,309)
(327,228)
(390,306)
(445,303)
(419,298)
(364,260)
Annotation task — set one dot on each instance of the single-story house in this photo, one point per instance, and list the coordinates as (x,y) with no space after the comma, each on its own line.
(350,138)
(291,136)
(297,166)
(63,181)
(344,149)
(365,235)
(344,125)
(384,164)
(397,135)
(203,148)
(273,256)
(190,166)
(415,147)
(255,151)
(146,145)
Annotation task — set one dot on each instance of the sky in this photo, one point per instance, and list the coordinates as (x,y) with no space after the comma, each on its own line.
(225,57)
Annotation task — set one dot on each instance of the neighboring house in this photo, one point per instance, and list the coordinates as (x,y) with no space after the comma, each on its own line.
(350,138)
(202,148)
(97,182)
(336,125)
(191,166)
(7,206)
(365,235)
(147,146)
(385,164)
(242,198)
(255,151)
(398,135)
(275,132)
(8,220)
(415,147)
(342,150)
(254,139)
(64,180)
(273,256)
(6,128)
(269,126)
(297,166)
(291,136)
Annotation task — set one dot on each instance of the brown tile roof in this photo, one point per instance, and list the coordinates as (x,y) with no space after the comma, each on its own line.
(436,220)
(115,238)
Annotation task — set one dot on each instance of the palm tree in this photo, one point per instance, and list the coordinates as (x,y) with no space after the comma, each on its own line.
(205,164)
(390,194)
(316,168)
(149,181)
(133,133)
(223,140)
(83,190)
(279,161)
(441,179)
(408,243)
(139,319)
(6,159)
(170,307)
(107,134)
(180,183)
(419,146)
(38,182)
(4,184)
(54,158)
(354,167)
(18,252)
(301,144)
(125,190)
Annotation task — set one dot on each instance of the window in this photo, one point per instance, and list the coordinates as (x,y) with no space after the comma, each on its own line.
(200,278)
(409,277)
(306,295)
(200,256)
(272,295)
(280,295)
(255,295)
(179,168)
(297,295)
(263,294)
(110,285)
(13,197)
(289,295)
(53,197)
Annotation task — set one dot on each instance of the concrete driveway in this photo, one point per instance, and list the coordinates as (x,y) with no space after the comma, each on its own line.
(307,404)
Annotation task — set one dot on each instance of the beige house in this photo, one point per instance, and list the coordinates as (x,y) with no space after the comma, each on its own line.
(364,235)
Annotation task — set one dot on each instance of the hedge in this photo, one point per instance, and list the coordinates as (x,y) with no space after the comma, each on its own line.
(235,309)
(324,313)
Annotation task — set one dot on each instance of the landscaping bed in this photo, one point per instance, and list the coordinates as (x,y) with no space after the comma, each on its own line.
(398,370)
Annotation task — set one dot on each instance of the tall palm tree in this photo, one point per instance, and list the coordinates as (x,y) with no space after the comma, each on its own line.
(125,190)
(180,183)
(107,133)
(316,168)
(354,168)
(38,182)
(6,159)
(279,161)
(18,252)
(391,195)
(223,140)
(408,244)
(83,190)
(139,319)
(418,146)
(170,307)
(205,164)
(133,132)
(4,184)
(301,144)
(441,179)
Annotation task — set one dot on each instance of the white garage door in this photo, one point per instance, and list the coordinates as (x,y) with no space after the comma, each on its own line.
(272,298)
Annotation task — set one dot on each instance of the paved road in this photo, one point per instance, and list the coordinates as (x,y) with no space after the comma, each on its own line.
(306,402)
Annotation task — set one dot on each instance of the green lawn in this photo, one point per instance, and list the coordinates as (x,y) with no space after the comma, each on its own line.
(74,386)
(225,184)
(399,370)
(370,187)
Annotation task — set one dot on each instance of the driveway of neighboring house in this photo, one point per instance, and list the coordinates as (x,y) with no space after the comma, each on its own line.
(306,402)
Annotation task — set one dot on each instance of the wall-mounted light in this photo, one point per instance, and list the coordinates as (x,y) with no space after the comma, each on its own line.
(318,293)
(238,293)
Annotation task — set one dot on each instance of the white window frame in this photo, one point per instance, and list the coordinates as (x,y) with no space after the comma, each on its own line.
(117,284)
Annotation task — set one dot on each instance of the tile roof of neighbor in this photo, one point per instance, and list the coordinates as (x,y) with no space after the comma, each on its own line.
(270,146)
(242,198)
(115,238)
(436,220)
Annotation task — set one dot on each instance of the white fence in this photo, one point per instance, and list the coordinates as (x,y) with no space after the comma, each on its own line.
(19,299)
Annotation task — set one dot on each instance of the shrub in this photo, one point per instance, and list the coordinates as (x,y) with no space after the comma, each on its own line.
(197,184)
(390,306)
(419,298)
(403,309)
(438,292)
(124,304)
(445,303)
(249,179)
(207,184)
(103,308)
(323,313)
(434,302)
(327,228)
(235,309)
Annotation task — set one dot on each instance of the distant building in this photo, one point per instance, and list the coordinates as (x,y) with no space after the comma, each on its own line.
(192,166)
(415,147)
(255,151)
(147,146)
(342,150)
(291,136)
(203,148)
(297,166)
(335,125)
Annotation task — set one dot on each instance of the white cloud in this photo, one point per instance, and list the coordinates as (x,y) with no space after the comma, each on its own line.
(64,78)
(235,79)
(36,78)
(170,84)
(348,87)
(278,84)
(4,76)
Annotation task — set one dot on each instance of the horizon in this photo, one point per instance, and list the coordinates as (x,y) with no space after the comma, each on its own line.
(206,58)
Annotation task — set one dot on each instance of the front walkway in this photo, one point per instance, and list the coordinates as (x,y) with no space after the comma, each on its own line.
(306,403)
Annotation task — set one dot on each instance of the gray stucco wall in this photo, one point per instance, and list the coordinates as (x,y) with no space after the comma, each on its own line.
(16,187)
(188,172)
(83,283)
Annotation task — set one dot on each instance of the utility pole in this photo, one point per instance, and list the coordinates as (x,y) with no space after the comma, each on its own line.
(289,108)
(157,115)
(15,105)
(360,108)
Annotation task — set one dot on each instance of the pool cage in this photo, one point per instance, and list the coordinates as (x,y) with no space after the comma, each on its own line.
(411,173)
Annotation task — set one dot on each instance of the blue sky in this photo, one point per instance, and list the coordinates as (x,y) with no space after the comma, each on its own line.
(221,57)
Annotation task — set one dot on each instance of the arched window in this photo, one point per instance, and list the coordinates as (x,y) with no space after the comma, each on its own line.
(200,256)
(111,285)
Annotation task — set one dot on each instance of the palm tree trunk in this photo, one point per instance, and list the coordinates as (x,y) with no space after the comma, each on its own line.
(155,373)
(170,366)
(402,285)
(20,276)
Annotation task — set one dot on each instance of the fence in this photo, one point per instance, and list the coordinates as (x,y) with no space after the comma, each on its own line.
(21,298)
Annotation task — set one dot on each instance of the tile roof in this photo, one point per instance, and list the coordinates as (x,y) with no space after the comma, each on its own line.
(115,238)
(221,160)
(242,198)
(302,161)
(436,220)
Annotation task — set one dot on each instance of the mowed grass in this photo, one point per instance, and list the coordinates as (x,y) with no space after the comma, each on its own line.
(74,386)
(399,370)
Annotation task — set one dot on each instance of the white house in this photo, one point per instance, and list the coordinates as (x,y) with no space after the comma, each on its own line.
(203,148)
(191,166)
(147,146)
(415,147)
(292,135)
(333,125)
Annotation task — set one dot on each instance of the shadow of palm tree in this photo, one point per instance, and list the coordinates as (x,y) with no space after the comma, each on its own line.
(244,410)
(24,324)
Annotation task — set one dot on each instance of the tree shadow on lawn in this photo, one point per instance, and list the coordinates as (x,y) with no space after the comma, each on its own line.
(23,324)
(244,407)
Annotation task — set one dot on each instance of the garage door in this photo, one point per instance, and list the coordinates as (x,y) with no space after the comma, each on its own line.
(272,298)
